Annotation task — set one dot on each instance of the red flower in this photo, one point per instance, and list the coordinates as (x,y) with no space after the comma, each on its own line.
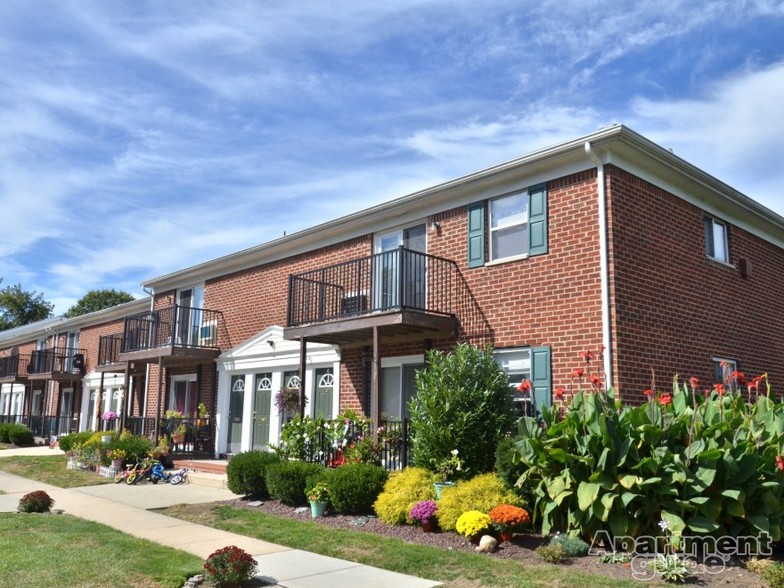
(577,373)
(648,393)
(694,382)
(739,377)
(780,463)
(756,382)
(720,390)
(587,356)
(559,392)
(595,381)
(665,399)
(524,386)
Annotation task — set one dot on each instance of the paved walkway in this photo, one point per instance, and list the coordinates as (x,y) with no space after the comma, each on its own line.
(117,504)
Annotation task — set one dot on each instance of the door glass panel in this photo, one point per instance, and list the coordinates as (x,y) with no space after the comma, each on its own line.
(414,277)
(389,396)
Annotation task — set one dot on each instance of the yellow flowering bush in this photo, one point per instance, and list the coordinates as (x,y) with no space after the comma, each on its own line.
(472,523)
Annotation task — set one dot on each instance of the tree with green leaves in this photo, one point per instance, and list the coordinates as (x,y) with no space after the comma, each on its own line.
(96,300)
(18,307)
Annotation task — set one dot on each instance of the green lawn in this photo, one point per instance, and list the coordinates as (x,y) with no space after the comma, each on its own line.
(50,469)
(61,550)
(453,568)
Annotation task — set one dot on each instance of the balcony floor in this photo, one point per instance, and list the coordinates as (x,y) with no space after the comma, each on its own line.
(398,325)
(171,355)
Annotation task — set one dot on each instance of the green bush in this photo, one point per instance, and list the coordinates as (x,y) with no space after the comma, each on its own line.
(551,553)
(463,402)
(706,465)
(134,446)
(4,433)
(354,487)
(774,575)
(288,481)
(509,468)
(20,435)
(402,490)
(38,501)
(482,493)
(72,441)
(245,472)
(572,546)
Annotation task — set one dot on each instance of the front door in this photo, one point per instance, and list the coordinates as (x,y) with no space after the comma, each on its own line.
(236,402)
(325,383)
(66,407)
(261,411)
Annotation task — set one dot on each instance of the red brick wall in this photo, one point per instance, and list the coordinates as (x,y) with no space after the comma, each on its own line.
(675,308)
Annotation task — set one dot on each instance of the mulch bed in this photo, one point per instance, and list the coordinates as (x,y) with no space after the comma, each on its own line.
(521,548)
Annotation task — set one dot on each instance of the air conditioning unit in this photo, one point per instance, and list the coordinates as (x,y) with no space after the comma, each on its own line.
(354,304)
(78,362)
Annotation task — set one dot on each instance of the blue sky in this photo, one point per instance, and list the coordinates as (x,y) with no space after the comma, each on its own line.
(139,138)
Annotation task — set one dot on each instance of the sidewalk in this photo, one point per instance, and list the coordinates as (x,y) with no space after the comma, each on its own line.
(115,504)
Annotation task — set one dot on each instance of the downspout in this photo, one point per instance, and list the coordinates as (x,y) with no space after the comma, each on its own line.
(604,266)
(151,293)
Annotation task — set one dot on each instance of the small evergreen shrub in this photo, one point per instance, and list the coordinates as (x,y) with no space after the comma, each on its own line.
(4,433)
(355,487)
(774,575)
(246,472)
(72,441)
(551,553)
(38,501)
(133,445)
(572,546)
(20,435)
(401,490)
(482,493)
(288,481)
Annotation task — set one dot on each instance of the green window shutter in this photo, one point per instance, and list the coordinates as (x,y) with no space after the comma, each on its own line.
(476,234)
(541,376)
(537,220)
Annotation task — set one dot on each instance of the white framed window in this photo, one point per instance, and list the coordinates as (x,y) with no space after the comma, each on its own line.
(716,239)
(722,370)
(398,385)
(517,365)
(184,395)
(509,226)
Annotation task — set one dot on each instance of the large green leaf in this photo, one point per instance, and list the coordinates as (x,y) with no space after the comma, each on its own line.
(701,524)
(675,524)
(628,481)
(587,492)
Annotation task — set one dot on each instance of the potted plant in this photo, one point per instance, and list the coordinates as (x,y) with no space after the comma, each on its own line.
(202,415)
(118,457)
(172,422)
(318,496)
(508,520)
(423,513)
(287,401)
(109,417)
(445,471)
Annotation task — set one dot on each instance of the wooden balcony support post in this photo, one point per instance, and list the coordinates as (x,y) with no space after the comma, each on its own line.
(375,382)
(303,359)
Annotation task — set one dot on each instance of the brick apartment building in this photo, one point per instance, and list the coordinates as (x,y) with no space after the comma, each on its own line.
(607,240)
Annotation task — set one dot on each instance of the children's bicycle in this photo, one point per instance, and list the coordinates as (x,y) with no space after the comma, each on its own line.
(123,475)
(179,476)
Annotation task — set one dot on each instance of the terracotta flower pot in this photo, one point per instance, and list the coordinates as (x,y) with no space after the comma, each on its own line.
(506,536)
(428,526)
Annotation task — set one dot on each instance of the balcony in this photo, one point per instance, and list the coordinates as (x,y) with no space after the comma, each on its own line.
(13,368)
(401,294)
(58,363)
(175,334)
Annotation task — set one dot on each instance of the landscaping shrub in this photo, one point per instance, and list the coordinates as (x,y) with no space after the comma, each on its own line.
(704,462)
(774,575)
(354,487)
(509,468)
(133,445)
(572,546)
(71,441)
(246,472)
(288,481)
(20,435)
(38,501)
(463,402)
(551,553)
(4,433)
(482,493)
(401,490)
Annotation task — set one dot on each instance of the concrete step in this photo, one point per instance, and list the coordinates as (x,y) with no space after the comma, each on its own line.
(207,479)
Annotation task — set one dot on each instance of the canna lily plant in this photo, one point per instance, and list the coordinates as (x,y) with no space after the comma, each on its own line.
(706,463)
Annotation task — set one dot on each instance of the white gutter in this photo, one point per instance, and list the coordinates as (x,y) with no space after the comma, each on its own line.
(604,267)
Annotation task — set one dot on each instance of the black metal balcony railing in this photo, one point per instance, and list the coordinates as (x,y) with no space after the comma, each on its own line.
(14,366)
(57,360)
(109,349)
(173,326)
(393,280)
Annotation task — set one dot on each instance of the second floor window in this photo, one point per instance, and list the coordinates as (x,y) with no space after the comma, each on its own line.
(509,226)
(716,240)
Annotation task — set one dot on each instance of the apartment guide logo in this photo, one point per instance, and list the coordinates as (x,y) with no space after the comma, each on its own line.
(698,554)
